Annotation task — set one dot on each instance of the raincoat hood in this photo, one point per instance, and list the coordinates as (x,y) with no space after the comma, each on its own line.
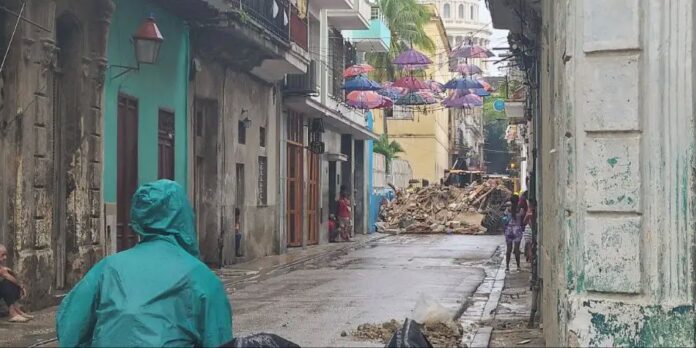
(161,210)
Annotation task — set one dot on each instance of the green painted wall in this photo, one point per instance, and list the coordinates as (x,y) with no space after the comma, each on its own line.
(162,85)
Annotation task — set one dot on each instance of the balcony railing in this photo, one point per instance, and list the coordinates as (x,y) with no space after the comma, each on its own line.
(271,15)
(303,84)
(298,29)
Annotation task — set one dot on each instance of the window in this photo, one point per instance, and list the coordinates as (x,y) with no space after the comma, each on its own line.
(241,132)
(263,176)
(446,11)
(389,113)
(472,12)
(459,40)
(461,11)
(404,112)
(374,12)
(262,136)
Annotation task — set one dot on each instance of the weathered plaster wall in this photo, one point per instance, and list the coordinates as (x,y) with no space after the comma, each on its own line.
(618,158)
(46,255)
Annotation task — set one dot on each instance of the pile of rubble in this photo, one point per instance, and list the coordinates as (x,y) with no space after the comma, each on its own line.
(443,209)
(438,334)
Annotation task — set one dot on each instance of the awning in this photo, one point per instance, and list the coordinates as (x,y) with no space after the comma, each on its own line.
(339,119)
(336,157)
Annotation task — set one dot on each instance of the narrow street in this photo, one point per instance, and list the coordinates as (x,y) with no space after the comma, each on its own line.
(317,301)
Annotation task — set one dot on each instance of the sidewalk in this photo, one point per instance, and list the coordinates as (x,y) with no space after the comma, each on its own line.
(40,332)
(497,313)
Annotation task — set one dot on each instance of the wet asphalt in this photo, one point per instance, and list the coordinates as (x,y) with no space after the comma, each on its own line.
(313,303)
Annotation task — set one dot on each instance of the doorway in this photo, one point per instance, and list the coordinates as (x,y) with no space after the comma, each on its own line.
(127,169)
(206,196)
(295,177)
(240,202)
(313,199)
(165,145)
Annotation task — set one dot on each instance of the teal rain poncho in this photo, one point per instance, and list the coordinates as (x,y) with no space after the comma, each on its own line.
(156,294)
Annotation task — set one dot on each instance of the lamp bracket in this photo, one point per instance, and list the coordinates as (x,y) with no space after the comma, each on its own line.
(126,69)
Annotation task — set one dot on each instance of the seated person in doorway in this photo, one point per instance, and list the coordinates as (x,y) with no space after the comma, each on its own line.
(237,232)
(11,290)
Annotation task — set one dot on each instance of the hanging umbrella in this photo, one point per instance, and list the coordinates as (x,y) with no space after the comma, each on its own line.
(481,92)
(412,59)
(415,98)
(468,69)
(428,96)
(463,83)
(361,83)
(393,93)
(471,51)
(357,69)
(487,86)
(364,99)
(386,104)
(434,86)
(458,100)
(410,83)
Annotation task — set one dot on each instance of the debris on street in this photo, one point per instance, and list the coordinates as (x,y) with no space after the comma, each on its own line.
(444,209)
(439,334)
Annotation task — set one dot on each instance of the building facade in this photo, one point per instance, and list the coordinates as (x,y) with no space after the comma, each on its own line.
(613,167)
(423,131)
(51,116)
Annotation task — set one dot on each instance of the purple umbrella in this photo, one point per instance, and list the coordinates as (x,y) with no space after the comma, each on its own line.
(468,69)
(463,83)
(415,98)
(361,83)
(471,51)
(393,93)
(434,86)
(412,59)
(458,100)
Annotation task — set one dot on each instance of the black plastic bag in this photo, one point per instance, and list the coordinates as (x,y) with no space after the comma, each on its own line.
(409,336)
(262,340)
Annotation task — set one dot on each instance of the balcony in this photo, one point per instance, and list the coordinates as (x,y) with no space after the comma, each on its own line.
(299,29)
(331,4)
(375,39)
(302,84)
(270,15)
(355,18)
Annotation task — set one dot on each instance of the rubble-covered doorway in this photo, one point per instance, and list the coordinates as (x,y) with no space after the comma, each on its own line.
(206,126)
(66,135)
(295,178)
(313,199)
(127,167)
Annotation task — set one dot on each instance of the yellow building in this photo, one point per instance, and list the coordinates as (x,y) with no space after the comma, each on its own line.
(423,131)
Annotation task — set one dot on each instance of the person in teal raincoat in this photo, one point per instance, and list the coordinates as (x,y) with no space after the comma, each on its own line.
(156,294)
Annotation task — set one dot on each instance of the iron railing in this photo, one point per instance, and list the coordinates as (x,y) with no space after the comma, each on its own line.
(271,15)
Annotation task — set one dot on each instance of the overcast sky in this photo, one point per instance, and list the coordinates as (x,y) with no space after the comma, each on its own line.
(498,39)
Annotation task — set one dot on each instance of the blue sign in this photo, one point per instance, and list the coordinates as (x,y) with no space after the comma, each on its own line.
(499,105)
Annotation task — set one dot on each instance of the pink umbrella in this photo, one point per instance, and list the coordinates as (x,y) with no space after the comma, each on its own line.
(358,69)
(412,59)
(434,86)
(471,51)
(468,69)
(460,100)
(364,99)
(487,86)
(410,83)
(427,96)
(386,103)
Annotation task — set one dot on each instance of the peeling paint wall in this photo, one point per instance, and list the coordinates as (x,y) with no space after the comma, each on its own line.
(618,239)
(52,143)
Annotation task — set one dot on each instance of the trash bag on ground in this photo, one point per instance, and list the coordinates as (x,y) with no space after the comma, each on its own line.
(429,311)
(410,335)
(262,340)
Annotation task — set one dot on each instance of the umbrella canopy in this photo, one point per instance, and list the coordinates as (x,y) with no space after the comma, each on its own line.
(471,51)
(412,59)
(481,92)
(468,69)
(463,83)
(458,100)
(393,93)
(410,83)
(487,86)
(364,99)
(434,86)
(361,83)
(386,104)
(428,96)
(357,69)
(415,98)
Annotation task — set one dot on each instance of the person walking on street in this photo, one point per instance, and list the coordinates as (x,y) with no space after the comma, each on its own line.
(11,290)
(513,233)
(156,294)
(344,215)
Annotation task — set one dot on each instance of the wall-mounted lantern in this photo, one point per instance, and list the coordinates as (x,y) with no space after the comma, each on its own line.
(246,122)
(147,42)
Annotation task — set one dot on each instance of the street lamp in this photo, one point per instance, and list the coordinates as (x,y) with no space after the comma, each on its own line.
(147,42)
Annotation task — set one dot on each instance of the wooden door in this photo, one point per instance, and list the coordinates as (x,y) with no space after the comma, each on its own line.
(206,193)
(165,145)
(127,170)
(295,174)
(313,200)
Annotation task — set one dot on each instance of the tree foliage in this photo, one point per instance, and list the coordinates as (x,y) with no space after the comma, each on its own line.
(389,149)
